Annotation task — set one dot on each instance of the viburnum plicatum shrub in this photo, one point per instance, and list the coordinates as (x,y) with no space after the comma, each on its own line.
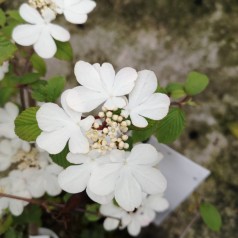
(92,143)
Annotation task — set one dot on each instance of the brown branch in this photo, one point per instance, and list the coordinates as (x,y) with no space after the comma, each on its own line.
(181,102)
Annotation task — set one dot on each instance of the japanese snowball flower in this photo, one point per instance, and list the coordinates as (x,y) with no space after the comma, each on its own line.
(40,32)
(100,84)
(8,115)
(75,178)
(142,217)
(144,102)
(12,186)
(129,175)
(3,69)
(75,11)
(62,125)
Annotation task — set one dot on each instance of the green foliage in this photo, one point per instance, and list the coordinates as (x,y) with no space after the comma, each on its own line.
(2,18)
(50,91)
(7,49)
(28,78)
(5,223)
(196,83)
(5,95)
(26,126)
(12,233)
(60,158)
(211,216)
(97,231)
(170,128)
(92,212)
(31,214)
(64,51)
(233,127)
(38,64)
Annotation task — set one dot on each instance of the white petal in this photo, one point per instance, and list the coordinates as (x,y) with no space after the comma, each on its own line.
(86,123)
(74,179)
(59,33)
(138,120)
(115,102)
(53,142)
(74,17)
(103,179)
(111,224)
(124,81)
(156,107)
(52,186)
(82,99)
(107,74)
(127,191)
(51,117)
(30,14)
(77,158)
(16,207)
(112,210)
(12,110)
(134,228)
(81,6)
(144,154)
(145,86)
(150,179)
(26,35)
(118,156)
(78,143)
(157,203)
(45,46)
(99,199)
(87,76)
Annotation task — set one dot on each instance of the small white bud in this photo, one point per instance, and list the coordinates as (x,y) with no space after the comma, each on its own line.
(105,130)
(109,114)
(101,114)
(128,122)
(124,124)
(121,145)
(96,125)
(125,137)
(126,146)
(120,119)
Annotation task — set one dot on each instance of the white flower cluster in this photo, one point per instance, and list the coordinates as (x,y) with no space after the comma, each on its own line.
(94,122)
(32,172)
(40,31)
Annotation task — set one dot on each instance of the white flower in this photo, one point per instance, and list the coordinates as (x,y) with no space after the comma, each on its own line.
(100,84)
(39,32)
(75,11)
(13,186)
(7,126)
(143,216)
(60,126)
(45,233)
(144,103)
(4,69)
(75,178)
(128,175)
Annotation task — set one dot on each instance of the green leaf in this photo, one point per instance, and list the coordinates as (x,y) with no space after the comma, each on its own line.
(12,233)
(92,212)
(25,79)
(26,126)
(210,216)
(38,64)
(64,51)
(174,86)
(5,95)
(233,127)
(60,158)
(179,93)
(15,15)
(50,91)
(31,214)
(7,49)
(2,18)
(161,90)
(5,223)
(196,83)
(170,128)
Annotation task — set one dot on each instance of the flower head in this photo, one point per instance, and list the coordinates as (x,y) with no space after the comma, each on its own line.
(40,32)
(100,85)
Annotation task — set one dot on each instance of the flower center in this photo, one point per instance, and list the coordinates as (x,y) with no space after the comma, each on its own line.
(109,131)
(43,5)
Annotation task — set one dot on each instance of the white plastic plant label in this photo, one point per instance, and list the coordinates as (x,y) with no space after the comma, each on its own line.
(183,177)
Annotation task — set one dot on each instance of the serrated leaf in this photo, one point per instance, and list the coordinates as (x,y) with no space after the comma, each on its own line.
(60,158)
(2,18)
(50,91)
(64,51)
(171,127)
(196,83)
(26,126)
(38,64)
(7,49)
(92,212)
(210,216)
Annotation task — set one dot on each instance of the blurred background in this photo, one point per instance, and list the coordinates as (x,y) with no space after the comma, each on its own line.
(172,38)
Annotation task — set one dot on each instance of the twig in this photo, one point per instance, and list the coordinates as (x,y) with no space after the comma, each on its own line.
(181,102)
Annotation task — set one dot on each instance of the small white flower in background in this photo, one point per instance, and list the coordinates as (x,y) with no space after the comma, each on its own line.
(45,233)
(75,11)
(8,115)
(100,84)
(143,216)
(4,69)
(40,32)
(144,102)
(128,175)
(75,178)
(13,186)
(62,125)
